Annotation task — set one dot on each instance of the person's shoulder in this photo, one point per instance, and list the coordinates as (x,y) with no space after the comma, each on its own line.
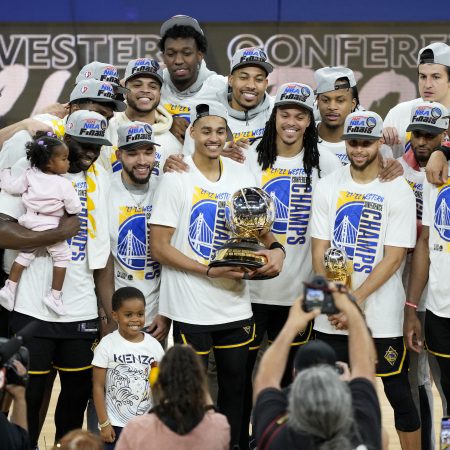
(403,108)
(214,418)
(215,81)
(335,176)
(152,343)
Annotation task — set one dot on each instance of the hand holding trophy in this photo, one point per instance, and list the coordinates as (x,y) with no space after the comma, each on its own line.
(250,213)
(338,266)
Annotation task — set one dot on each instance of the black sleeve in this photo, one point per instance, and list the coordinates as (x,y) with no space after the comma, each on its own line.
(366,408)
(270,404)
(13,437)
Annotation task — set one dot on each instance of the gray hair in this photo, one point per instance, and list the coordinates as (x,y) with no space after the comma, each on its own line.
(320,405)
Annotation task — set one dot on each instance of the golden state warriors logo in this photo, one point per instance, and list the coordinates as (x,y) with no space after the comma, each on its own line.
(208,228)
(292,199)
(442,213)
(132,244)
(357,228)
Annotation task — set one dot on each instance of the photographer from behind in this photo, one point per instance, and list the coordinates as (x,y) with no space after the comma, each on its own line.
(320,411)
(14,433)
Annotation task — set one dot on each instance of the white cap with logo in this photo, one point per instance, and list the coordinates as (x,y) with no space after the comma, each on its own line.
(134,135)
(364,125)
(435,53)
(295,94)
(326,78)
(250,56)
(87,126)
(431,117)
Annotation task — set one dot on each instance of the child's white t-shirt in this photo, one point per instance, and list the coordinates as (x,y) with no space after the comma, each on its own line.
(128,364)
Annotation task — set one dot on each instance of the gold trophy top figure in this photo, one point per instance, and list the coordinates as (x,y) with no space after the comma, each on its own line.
(337,265)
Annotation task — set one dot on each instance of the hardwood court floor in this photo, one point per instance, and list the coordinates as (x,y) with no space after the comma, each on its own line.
(47,436)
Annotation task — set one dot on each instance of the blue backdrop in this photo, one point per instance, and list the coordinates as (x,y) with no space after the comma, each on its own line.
(227,11)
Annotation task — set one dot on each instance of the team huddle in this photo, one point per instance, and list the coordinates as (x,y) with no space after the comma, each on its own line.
(117,203)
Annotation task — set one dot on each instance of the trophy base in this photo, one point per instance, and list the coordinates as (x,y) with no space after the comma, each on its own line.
(241,253)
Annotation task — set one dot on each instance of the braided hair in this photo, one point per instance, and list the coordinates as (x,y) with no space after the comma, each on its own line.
(267,148)
(40,150)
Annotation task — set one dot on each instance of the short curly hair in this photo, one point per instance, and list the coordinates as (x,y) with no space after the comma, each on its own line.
(40,150)
(184,32)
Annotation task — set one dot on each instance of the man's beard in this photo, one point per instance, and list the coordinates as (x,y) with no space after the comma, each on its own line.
(135,179)
(133,105)
(365,165)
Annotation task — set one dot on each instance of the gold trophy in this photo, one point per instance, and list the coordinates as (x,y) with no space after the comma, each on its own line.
(250,213)
(338,267)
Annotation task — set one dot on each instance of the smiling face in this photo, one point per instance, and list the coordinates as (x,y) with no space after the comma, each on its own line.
(144,95)
(248,85)
(182,59)
(335,106)
(362,153)
(434,83)
(130,318)
(137,163)
(81,154)
(210,135)
(291,123)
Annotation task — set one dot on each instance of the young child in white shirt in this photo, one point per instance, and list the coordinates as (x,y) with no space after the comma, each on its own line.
(123,361)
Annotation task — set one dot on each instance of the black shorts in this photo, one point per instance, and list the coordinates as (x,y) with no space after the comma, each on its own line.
(437,335)
(391,352)
(203,338)
(64,346)
(270,319)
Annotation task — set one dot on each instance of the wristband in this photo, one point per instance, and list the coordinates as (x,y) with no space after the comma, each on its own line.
(103,425)
(412,305)
(276,244)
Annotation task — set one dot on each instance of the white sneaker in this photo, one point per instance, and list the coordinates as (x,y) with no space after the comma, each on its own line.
(55,304)
(7,296)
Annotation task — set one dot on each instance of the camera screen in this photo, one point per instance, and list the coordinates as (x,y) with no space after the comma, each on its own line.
(445,433)
(315,295)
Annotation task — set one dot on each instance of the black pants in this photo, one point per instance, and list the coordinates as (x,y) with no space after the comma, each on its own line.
(269,319)
(230,347)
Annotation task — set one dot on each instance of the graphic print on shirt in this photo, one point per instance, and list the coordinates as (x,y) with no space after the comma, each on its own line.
(417,189)
(442,214)
(117,165)
(251,135)
(343,157)
(357,228)
(78,243)
(287,188)
(179,111)
(133,249)
(208,228)
(128,391)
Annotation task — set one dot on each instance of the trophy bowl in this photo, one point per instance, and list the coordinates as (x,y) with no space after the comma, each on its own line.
(337,266)
(250,213)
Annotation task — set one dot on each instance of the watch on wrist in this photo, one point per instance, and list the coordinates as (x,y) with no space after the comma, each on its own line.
(277,245)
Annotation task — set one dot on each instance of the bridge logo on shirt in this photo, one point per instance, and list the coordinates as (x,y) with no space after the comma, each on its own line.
(133,249)
(179,111)
(208,228)
(442,212)
(292,199)
(78,243)
(357,228)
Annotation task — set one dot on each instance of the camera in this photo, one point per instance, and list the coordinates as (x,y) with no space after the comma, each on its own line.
(317,295)
(11,375)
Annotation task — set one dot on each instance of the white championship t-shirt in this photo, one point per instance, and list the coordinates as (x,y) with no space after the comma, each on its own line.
(415,180)
(80,301)
(128,364)
(285,182)
(129,215)
(195,207)
(362,219)
(436,215)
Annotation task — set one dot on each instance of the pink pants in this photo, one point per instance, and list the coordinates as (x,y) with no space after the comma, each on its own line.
(60,253)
